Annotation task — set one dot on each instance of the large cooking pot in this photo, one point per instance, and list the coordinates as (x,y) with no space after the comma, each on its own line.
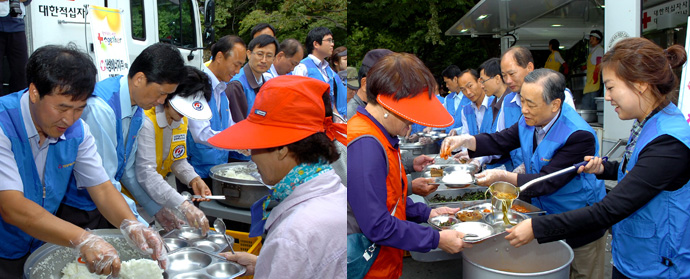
(418,149)
(496,258)
(238,192)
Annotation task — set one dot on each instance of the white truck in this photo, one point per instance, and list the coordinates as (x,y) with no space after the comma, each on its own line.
(145,22)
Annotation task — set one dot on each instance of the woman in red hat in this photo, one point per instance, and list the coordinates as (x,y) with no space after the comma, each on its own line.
(398,94)
(291,142)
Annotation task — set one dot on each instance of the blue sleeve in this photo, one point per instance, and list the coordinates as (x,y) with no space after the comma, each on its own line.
(341,102)
(367,194)
(417,212)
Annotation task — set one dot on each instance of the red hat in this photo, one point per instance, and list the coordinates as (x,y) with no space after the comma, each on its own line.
(421,109)
(287,109)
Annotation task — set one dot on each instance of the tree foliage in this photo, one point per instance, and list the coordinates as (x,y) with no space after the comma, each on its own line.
(291,18)
(416,27)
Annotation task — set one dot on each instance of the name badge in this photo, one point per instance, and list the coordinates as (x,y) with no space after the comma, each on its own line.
(180,137)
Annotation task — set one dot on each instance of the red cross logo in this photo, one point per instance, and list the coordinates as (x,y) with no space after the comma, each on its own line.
(645,20)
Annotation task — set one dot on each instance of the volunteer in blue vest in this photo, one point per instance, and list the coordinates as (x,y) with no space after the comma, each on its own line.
(516,63)
(360,98)
(648,208)
(288,57)
(476,117)
(260,54)
(228,54)
(551,137)
(492,82)
(114,114)
(44,145)
(455,100)
(162,149)
(319,45)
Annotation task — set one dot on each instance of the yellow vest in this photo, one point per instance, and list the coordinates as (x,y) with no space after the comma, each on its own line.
(551,62)
(178,146)
(590,85)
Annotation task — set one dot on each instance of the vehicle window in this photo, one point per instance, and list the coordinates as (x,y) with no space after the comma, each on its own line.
(138,27)
(176,23)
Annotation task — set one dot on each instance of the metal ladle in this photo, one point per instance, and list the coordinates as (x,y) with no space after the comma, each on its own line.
(219,225)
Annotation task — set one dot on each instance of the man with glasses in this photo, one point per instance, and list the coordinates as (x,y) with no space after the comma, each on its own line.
(319,45)
(248,81)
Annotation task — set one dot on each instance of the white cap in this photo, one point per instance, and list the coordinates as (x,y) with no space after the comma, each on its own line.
(194,107)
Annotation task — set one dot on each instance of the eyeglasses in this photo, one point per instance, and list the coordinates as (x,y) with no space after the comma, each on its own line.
(261,55)
(484,80)
(331,40)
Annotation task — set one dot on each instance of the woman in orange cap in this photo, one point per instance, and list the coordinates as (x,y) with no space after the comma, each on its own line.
(397,95)
(290,139)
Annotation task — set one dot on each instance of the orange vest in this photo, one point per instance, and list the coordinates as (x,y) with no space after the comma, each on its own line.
(388,264)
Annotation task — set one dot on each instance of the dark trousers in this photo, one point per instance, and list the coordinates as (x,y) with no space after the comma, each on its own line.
(12,268)
(13,46)
(615,274)
(82,218)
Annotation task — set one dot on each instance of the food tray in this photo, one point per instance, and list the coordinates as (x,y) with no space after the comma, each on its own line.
(493,223)
(190,262)
(533,210)
(452,194)
(191,237)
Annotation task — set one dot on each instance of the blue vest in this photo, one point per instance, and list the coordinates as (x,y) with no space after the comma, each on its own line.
(583,190)
(511,114)
(487,122)
(336,84)
(248,90)
(203,157)
(58,171)
(108,90)
(656,235)
(455,113)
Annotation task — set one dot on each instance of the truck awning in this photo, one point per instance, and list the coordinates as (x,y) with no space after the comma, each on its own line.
(533,22)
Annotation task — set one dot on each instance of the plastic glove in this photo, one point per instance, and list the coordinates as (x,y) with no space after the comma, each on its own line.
(243,258)
(195,217)
(99,256)
(452,143)
(423,186)
(520,169)
(487,177)
(477,164)
(462,157)
(452,132)
(200,188)
(146,240)
(167,219)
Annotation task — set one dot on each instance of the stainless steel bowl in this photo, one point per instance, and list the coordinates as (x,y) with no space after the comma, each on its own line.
(206,245)
(481,230)
(496,218)
(175,243)
(222,270)
(188,260)
(443,218)
(588,115)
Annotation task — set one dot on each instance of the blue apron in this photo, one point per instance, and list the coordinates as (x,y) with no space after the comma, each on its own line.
(203,157)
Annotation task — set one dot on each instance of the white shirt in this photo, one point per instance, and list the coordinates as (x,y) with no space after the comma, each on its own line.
(146,166)
(306,233)
(271,73)
(201,129)
(457,99)
(301,69)
(88,168)
(597,52)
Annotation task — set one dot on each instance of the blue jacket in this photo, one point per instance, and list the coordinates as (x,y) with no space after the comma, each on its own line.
(58,171)
(338,90)
(583,190)
(109,90)
(203,157)
(455,113)
(654,242)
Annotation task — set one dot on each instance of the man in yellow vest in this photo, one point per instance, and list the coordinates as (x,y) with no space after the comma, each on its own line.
(593,83)
(162,149)
(555,59)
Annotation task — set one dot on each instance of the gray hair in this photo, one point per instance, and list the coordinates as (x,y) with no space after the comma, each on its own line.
(552,82)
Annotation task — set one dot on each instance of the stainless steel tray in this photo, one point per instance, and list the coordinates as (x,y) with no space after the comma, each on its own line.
(449,193)
(190,262)
(191,237)
(488,219)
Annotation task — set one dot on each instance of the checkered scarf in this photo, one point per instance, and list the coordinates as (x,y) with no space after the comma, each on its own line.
(635,133)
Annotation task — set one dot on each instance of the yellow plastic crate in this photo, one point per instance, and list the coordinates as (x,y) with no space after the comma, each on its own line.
(244,243)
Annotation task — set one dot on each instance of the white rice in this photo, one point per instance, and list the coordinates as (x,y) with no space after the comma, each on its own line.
(132,269)
(240,173)
(458,178)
